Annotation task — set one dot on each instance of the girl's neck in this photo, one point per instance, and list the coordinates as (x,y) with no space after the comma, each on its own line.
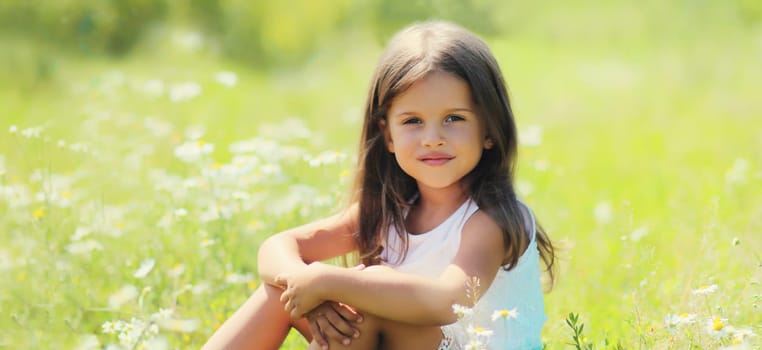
(433,207)
(441,197)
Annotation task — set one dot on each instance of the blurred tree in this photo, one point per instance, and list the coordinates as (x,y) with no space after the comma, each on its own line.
(391,15)
(109,26)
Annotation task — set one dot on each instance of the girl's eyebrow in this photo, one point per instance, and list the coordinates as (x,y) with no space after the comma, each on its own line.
(451,110)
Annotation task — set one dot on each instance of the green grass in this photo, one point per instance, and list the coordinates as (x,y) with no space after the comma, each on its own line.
(648,118)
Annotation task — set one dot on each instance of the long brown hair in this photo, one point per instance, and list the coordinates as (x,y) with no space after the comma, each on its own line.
(382,190)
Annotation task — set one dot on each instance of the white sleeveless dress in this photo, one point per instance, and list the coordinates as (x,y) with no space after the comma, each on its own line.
(431,252)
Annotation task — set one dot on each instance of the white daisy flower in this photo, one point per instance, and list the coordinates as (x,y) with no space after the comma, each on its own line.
(531,136)
(461,311)
(192,151)
(145,268)
(122,296)
(479,331)
(705,290)
(228,79)
(718,327)
(184,91)
(603,212)
(504,314)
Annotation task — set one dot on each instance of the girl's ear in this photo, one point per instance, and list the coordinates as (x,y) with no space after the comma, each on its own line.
(387,136)
(488,143)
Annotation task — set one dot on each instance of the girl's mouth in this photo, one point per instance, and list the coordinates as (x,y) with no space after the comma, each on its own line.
(436,159)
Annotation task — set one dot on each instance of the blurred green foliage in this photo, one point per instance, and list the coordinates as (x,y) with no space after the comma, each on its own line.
(112,26)
(276,32)
(256,31)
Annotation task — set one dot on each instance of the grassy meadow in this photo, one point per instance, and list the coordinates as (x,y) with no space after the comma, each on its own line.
(134,192)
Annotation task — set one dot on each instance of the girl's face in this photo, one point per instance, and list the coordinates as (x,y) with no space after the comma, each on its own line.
(434,132)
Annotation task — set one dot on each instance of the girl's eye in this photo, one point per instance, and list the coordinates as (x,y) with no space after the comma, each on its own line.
(411,121)
(453,118)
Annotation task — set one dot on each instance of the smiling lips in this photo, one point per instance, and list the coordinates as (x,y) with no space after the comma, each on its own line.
(436,158)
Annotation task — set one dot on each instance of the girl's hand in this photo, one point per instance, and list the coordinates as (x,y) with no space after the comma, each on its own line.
(300,294)
(335,321)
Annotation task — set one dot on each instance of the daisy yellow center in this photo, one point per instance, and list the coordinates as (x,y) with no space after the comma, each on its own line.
(39,213)
(504,313)
(717,324)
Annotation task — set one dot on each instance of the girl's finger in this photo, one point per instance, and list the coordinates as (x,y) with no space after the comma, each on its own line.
(341,325)
(317,334)
(281,280)
(331,332)
(347,312)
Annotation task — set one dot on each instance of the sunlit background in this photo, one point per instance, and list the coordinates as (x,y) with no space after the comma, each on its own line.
(147,148)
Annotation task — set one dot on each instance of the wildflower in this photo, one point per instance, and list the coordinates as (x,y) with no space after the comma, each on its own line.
(195,132)
(184,91)
(327,157)
(479,331)
(192,151)
(145,268)
(228,79)
(525,188)
(39,213)
(639,233)
(83,247)
(79,148)
(206,242)
(475,344)
(737,173)
(13,129)
(180,212)
(705,290)
(736,241)
(531,136)
(153,87)
(603,212)
(744,333)
(718,327)
(504,314)
(541,165)
(176,325)
(686,318)
(176,271)
(237,278)
(88,342)
(461,311)
(122,296)
(110,327)
(31,133)
(673,322)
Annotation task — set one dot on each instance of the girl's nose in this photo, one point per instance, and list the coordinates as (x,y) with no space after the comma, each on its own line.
(433,137)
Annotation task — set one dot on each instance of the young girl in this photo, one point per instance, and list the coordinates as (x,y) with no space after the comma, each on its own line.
(434,210)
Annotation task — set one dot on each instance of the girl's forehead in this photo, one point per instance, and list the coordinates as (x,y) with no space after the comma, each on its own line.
(435,90)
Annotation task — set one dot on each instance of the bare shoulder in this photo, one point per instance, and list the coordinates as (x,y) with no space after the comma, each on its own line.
(481,226)
(482,234)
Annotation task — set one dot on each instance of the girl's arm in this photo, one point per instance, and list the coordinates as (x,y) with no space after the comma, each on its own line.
(400,296)
(291,250)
